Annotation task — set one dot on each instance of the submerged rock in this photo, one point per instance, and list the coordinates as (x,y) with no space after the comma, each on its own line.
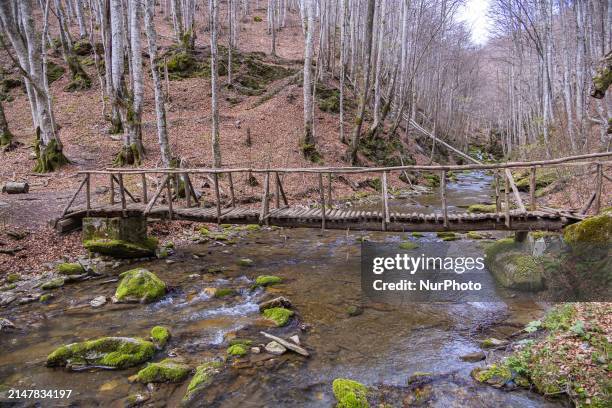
(139,285)
(267,280)
(350,394)
(473,357)
(6,324)
(280,301)
(496,375)
(203,377)
(245,262)
(493,342)
(105,352)
(98,301)
(167,370)
(275,348)
(160,336)
(279,315)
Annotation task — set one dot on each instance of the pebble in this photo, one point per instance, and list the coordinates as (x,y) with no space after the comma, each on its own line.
(275,348)
(295,339)
(98,301)
(255,350)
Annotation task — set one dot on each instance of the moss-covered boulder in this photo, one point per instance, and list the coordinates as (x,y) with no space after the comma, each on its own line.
(70,269)
(82,48)
(267,280)
(482,208)
(408,245)
(160,336)
(497,375)
(279,315)
(204,376)
(105,352)
(238,350)
(543,179)
(167,370)
(53,284)
(447,236)
(118,237)
(122,249)
(350,394)
(513,267)
(594,230)
(473,235)
(139,285)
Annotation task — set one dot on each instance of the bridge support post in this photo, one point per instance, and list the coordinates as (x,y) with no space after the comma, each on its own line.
(443,194)
(520,236)
(385,209)
(322,191)
(532,188)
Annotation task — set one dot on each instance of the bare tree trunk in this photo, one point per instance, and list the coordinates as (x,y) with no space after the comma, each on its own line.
(160,107)
(6,137)
(343,21)
(81,18)
(214,79)
(308,143)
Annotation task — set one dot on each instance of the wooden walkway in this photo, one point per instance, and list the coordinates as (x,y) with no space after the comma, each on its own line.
(223,209)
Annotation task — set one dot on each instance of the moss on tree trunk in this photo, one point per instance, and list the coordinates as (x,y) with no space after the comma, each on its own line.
(48,158)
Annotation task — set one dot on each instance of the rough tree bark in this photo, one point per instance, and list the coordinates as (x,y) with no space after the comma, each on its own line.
(308,143)
(214,79)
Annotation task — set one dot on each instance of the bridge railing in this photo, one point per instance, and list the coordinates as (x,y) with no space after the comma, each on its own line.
(181,181)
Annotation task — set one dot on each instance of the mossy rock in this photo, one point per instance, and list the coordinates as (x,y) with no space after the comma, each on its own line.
(160,336)
(82,48)
(408,245)
(496,375)
(53,284)
(237,350)
(433,180)
(482,208)
(447,236)
(105,352)
(122,249)
(224,292)
(594,230)
(70,269)
(13,277)
(350,394)
(54,72)
(267,280)
(139,285)
(417,234)
(167,370)
(257,19)
(473,235)
(245,262)
(279,315)
(513,268)
(204,376)
(543,179)
(46,298)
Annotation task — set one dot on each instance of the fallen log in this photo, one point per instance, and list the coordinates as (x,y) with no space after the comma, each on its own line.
(13,187)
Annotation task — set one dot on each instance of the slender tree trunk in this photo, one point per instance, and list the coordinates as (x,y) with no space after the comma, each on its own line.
(308,143)
(344,9)
(81,18)
(6,137)
(214,79)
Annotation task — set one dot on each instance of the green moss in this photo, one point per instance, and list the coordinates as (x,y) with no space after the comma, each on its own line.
(593,230)
(203,377)
(70,269)
(266,280)
(257,19)
(45,298)
(82,48)
(500,246)
(139,285)
(417,234)
(121,249)
(54,72)
(447,235)
(542,234)
(473,235)
(245,342)
(166,370)
(6,138)
(160,336)
(13,277)
(278,315)
(433,180)
(8,287)
(310,152)
(53,284)
(245,262)
(224,292)
(482,208)
(543,179)
(350,394)
(408,245)
(48,158)
(237,350)
(560,317)
(111,352)
(204,231)
(494,374)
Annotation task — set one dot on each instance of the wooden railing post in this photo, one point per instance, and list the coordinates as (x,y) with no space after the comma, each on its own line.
(598,188)
(515,191)
(88,193)
(112,189)
(322,191)
(231,187)
(169,192)
(532,189)
(507,200)
(277,192)
(160,188)
(385,207)
(264,200)
(443,195)
(145,198)
(122,194)
(329,189)
(187,190)
(217,196)
(497,193)
(282,191)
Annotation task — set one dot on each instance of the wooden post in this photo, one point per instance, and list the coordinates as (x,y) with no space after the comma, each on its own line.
(532,189)
(322,191)
(160,188)
(112,189)
(282,191)
(507,200)
(145,198)
(277,192)
(385,208)
(122,194)
(169,191)
(515,191)
(329,189)
(231,186)
(187,190)
(497,193)
(264,199)
(443,194)
(73,197)
(217,196)
(598,188)
(88,193)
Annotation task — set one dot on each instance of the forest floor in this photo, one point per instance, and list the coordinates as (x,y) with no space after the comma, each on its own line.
(274,122)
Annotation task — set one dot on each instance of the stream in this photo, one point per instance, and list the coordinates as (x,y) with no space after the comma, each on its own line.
(321,276)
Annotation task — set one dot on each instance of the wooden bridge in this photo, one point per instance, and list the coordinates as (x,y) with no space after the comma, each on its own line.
(175,198)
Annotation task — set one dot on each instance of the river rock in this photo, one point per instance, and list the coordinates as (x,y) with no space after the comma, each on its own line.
(295,339)
(105,352)
(139,285)
(204,376)
(492,342)
(275,348)
(6,324)
(255,350)
(287,344)
(473,357)
(276,302)
(167,370)
(513,267)
(98,301)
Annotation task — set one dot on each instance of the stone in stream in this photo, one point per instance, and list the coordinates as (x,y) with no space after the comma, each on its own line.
(160,336)
(70,269)
(167,370)
(204,376)
(139,285)
(53,284)
(513,267)
(279,315)
(6,324)
(98,301)
(105,352)
(118,237)
(291,346)
(473,357)
(350,394)
(492,342)
(276,302)
(295,339)
(275,348)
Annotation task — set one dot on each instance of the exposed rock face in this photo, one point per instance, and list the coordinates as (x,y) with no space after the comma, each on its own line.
(118,237)
(105,352)
(139,285)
